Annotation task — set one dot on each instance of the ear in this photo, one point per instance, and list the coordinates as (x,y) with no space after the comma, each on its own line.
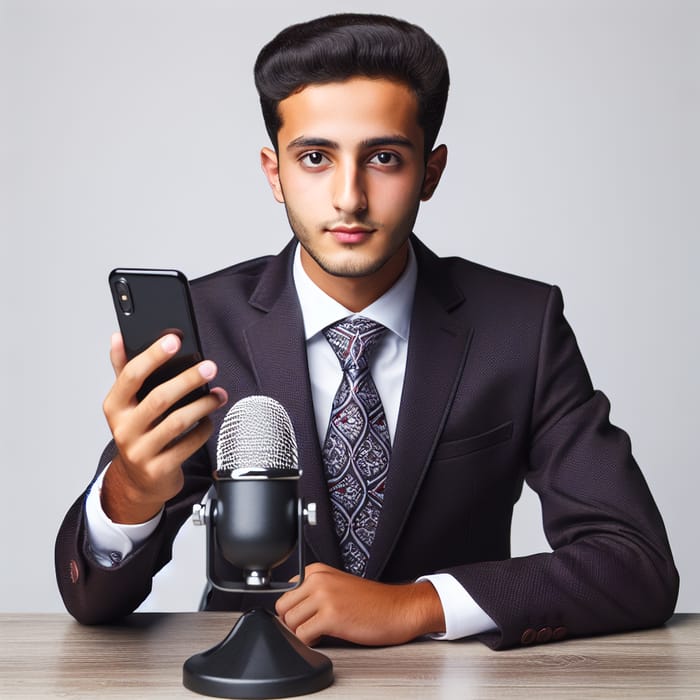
(270,166)
(434,168)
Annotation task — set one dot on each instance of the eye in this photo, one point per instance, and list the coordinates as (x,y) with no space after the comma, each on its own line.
(313,159)
(385,158)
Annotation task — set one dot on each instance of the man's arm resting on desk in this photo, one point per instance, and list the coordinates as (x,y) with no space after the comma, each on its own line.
(334,603)
(611,568)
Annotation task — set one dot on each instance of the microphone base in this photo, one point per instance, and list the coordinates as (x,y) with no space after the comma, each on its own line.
(260,658)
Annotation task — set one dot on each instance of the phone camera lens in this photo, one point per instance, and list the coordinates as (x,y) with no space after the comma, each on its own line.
(124,296)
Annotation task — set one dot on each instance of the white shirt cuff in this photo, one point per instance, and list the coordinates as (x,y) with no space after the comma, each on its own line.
(110,542)
(463,617)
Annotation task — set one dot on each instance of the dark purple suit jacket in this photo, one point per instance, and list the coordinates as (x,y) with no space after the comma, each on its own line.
(496,392)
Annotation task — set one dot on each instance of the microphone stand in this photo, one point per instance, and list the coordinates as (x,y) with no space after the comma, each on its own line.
(260,657)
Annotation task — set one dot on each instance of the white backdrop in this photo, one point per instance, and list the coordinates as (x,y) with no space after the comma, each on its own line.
(129,135)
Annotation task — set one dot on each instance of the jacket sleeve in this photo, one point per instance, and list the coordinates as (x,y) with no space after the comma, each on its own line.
(93,593)
(611,567)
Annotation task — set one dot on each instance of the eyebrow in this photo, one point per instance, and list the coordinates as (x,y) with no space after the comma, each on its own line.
(377,141)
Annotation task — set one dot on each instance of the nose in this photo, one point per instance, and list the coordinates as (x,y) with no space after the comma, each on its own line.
(349,192)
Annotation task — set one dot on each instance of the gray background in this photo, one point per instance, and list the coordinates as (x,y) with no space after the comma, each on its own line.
(129,136)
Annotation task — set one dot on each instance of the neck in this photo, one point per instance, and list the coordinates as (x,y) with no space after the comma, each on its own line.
(356,293)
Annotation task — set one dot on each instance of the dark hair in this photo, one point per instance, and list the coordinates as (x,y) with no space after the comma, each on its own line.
(339,47)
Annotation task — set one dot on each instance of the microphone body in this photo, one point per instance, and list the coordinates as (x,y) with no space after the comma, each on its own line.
(256,524)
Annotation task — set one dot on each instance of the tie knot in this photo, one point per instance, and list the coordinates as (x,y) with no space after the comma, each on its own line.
(352,340)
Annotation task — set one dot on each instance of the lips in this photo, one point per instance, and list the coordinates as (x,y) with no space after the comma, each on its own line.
(350,234)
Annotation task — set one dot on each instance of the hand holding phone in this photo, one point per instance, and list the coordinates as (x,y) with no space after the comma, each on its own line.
(151,304)
(157,411)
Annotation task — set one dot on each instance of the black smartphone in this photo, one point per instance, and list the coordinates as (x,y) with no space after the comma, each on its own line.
(149,305)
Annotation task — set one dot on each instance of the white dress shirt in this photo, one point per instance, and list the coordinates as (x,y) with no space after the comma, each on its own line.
(111,542)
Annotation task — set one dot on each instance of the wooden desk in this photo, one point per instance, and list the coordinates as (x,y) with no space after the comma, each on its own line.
(53,656)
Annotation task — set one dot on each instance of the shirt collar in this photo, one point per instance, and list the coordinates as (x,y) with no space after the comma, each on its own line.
(392,309)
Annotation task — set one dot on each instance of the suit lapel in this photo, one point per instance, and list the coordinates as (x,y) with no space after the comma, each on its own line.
(437,351)
(277,351)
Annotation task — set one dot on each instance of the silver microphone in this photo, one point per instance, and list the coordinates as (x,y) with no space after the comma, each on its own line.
(256,518)
(256,438)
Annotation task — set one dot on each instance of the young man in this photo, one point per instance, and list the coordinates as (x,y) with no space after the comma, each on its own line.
(474,378)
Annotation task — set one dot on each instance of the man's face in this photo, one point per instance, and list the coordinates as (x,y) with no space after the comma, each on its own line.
(351,174)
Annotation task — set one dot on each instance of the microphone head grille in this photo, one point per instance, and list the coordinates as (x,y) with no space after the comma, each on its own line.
(256,436)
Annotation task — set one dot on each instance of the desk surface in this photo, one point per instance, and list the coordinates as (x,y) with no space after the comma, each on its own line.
(53,656)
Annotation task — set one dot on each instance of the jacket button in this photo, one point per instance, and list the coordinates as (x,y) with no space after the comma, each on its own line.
(74,571)
(529,636)
(560,633)
(544,635)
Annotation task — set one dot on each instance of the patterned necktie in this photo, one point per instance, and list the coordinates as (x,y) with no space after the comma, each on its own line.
(357,447)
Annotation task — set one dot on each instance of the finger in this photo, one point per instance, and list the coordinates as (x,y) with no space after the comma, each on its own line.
(159,473)
(291,598)
(177,427)
(310,582)
(163,397)
(300,614)
(166,464)
(310,626)
(307,634)
(117,353)
(286,602)
(133,374)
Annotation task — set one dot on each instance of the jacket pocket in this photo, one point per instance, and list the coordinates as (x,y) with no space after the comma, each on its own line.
(458,448)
